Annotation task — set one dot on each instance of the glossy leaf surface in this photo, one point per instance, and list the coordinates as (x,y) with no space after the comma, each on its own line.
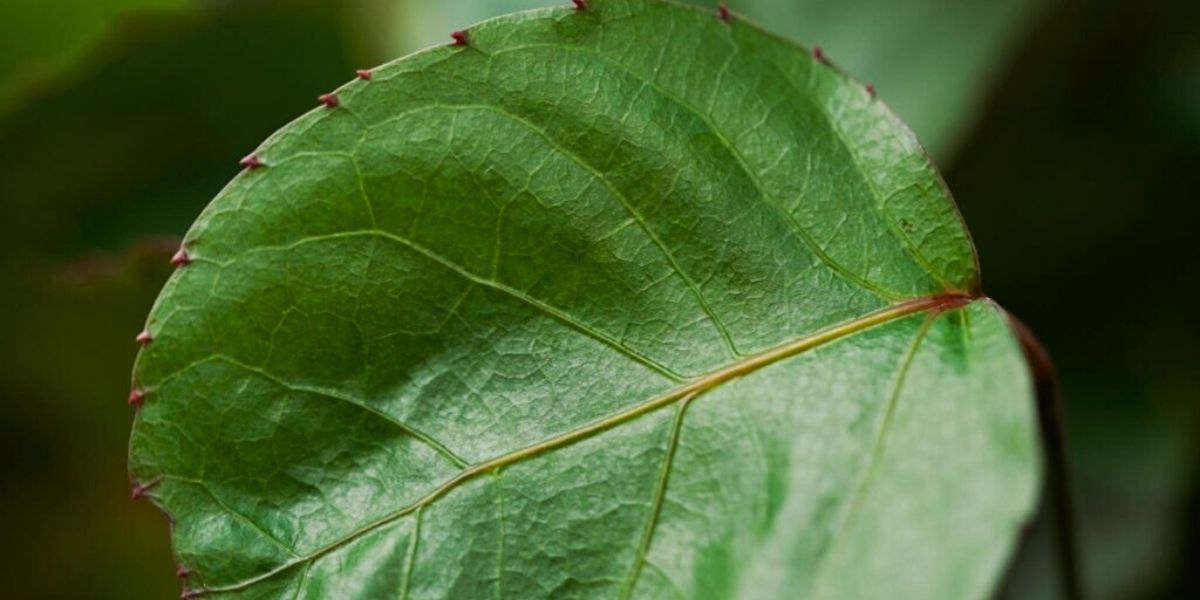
(624,302)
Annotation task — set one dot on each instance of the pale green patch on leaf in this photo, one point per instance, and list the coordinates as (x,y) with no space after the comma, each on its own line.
(624,302)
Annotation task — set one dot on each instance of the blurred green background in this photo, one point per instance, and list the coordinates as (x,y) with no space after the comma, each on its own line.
(1068,130)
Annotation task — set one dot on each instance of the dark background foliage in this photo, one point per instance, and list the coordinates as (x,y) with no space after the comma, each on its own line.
(1073,161)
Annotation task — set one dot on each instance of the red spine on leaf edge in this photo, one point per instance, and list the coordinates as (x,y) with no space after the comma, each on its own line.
(460,37)
(181,258)
(251,161)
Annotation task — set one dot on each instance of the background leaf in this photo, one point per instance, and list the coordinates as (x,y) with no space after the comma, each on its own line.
(100,174)
(39,39)
(444,341)
(1101,115)
(935,74)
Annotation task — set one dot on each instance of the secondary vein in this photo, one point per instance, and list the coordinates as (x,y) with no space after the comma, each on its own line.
(752,174)
(660,491)
(454,267)
(625,203)
(411,560)
(876,454)
(413,432)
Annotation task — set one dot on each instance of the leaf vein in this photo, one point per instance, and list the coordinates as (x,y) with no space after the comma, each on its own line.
(801,231)
(234,513)
(660,491)
(411,560)
(625,203)
(545,308)
(863,485)
(420,436)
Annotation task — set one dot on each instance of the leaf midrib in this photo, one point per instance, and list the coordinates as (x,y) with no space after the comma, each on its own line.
(690,389)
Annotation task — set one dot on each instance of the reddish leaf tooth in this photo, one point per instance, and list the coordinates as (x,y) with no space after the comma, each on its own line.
(251,161)
(580,4)
(871,90)
(182,572)
(181,258)
(329,100)
(460,37)
(136,397)
(819,54)
(364,74)
(144,337)
(723,12)
(188,594)
(139,490)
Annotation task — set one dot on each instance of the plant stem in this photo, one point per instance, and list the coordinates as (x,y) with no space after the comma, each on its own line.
(1050,420)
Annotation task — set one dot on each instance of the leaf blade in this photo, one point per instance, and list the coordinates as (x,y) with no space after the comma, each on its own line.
(482,258)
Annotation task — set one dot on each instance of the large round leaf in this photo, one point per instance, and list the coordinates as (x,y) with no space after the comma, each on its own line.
(630,301)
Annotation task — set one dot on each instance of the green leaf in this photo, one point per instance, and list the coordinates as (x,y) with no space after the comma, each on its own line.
(624,302)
